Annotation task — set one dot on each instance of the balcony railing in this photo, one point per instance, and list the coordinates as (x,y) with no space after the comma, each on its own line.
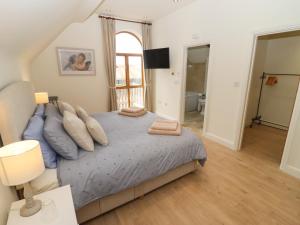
(136,96)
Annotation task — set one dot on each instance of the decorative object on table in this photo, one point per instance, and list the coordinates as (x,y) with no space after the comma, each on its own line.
(21,162)
(41,98)
(74,61)
(53,100)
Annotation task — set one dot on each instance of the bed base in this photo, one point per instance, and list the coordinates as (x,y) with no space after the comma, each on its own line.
(103,205)
(20,95)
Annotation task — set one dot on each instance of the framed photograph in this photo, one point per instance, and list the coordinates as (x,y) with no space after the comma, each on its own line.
(76,61)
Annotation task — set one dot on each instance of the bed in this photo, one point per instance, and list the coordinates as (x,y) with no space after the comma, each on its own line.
(133,164)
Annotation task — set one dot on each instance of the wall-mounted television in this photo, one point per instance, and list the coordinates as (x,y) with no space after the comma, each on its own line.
(157,58)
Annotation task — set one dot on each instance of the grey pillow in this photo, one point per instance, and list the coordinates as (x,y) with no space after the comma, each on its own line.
(59,140)
(52,111)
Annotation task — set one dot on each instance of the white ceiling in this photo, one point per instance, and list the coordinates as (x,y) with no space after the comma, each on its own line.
(27,26)
(140,9)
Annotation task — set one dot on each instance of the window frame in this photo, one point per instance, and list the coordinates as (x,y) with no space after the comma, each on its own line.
(128,86)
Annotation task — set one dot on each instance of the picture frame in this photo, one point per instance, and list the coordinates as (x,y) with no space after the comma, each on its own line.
(76,61)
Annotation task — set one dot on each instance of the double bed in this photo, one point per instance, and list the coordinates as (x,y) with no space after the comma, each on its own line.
(133,164)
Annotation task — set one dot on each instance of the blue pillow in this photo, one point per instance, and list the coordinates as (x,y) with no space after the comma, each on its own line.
(34,131)
(40,110)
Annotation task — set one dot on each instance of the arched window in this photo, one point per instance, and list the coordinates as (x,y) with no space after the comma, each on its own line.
(129,71)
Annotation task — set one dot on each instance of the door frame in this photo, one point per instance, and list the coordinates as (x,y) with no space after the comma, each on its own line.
(296,109)
(183,86)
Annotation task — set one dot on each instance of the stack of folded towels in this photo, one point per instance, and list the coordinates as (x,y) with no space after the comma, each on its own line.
(165,127)
(132,111)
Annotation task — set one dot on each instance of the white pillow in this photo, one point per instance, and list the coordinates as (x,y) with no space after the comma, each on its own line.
(78,131)
(81,113)
(96,131)
(64,106)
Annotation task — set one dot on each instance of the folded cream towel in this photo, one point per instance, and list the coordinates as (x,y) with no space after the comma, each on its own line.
(132,110)
(176,132)
(132,114)
(166,121)
(165,125)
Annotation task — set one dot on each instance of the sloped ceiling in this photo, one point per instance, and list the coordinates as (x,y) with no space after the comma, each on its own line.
(28,26)
(141,9)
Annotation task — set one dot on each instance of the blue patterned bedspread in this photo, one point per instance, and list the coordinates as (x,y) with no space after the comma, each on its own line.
(132,156)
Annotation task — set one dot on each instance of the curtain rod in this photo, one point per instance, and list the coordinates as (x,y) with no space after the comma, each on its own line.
(130,21)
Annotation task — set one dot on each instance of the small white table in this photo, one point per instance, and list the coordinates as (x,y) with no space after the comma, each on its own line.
(57,209)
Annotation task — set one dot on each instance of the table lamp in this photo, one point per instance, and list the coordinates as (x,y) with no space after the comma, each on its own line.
(20,163)
(41,98)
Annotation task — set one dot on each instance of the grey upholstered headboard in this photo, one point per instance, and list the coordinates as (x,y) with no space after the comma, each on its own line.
(17,104)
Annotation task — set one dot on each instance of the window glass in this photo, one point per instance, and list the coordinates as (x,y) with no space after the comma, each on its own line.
(129,71)
(135,70)
(127,43)
(120,71)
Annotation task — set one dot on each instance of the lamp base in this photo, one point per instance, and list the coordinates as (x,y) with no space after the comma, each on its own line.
(31,206)
(25,211)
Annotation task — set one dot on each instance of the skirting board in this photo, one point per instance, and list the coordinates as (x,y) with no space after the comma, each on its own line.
(220,140)
(275,126)
(291,170)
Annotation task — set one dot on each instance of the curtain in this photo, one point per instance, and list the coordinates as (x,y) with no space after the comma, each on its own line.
(146,35)
(109,45)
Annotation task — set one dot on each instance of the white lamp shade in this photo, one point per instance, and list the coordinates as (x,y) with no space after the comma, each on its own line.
(21,162)
(41,98)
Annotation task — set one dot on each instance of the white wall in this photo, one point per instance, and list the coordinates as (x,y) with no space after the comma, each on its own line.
(7,196)
(30,25)
(258,69)
(9,68)
(134,28)
(91,92)
(290,162)
(280,55)
(229,26)
(283,55)
(9,72)
(27,26)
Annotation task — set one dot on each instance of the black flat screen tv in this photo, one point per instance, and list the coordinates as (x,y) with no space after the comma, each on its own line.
(157,58)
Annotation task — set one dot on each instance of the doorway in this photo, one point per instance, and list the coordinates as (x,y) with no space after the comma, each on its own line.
(196,86)
(272,95)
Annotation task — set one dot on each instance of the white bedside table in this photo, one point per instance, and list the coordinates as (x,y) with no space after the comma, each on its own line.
(57,209)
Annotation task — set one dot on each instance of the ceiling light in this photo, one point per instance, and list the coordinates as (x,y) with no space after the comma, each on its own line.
(176,1)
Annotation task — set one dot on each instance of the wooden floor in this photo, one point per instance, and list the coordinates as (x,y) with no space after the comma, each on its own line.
(238,188)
